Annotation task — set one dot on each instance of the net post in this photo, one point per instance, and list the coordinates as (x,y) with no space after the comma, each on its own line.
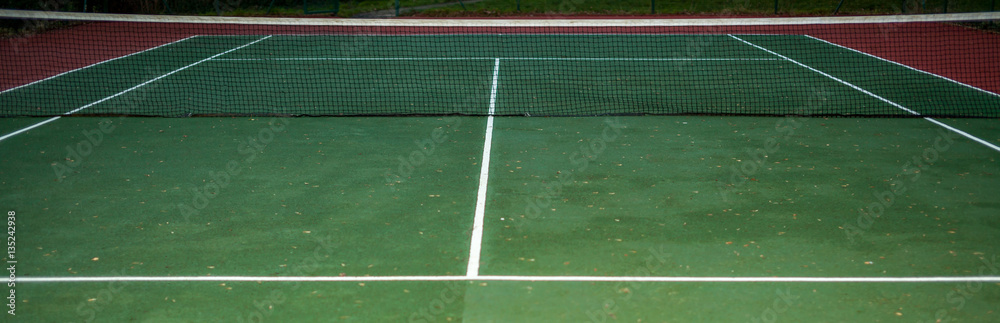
(945,6)
(518,5)
(652,7)
(397,8)
(84,5)
(775,7)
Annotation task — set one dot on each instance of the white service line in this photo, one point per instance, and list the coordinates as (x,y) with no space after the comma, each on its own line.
(95,64)
(683,279)
(485,58)
(128,90)
(963,133)
(475,246)
(906,66)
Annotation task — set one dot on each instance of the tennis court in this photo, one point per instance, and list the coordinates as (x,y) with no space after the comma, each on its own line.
(763,177)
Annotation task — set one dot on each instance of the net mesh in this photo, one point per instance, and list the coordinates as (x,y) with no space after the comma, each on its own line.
(900,66)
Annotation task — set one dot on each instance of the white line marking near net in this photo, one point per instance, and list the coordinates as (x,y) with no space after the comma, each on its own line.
(475,246)
(906,66)
(828,75)
(956,130)
(491,58)
(92,65)
(128,90)
(931,279)
(493,90)
(963,133)
(15,133)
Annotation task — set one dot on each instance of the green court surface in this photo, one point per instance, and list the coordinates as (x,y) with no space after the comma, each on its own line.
(604,218)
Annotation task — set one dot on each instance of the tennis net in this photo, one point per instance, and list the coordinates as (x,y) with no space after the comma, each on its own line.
(99,64)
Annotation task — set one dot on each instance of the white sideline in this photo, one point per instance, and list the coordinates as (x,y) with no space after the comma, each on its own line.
(127,90)
(475,246)
(683,279)
(71,71)
(963,133)
(95,64)
(906,66)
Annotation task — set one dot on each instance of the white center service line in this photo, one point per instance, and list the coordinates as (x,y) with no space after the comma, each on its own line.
(129,89)
(475,247)
(963,133)
(682,279)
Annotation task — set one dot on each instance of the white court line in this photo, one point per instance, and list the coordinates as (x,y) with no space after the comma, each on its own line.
(475,246)
(683,279)
(127,90)
(906,66)
(963,133)
(95,64)
(956,130)
(829,76)
(485,58)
